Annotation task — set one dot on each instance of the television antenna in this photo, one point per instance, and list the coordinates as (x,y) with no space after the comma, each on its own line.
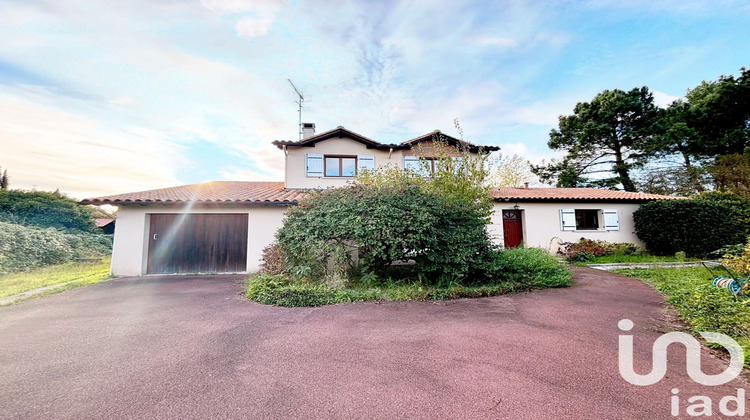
(299,103)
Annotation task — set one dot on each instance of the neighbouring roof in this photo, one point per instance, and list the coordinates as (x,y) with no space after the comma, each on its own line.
(573,194)
(219,192)
(372,144)
(101,222)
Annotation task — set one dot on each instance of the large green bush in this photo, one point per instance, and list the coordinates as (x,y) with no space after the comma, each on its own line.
(437,222)
(737,206)
(695,226)
(45,209)
(26,247)
(383,224)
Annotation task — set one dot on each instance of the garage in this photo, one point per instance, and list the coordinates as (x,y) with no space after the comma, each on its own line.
(197,243)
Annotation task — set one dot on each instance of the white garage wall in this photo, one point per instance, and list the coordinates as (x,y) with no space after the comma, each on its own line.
(130,252)
(541,224)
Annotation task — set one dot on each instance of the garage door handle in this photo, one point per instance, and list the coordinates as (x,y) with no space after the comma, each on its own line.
(155,236)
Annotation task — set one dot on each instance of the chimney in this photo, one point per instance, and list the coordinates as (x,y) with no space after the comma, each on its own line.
(308,130)
(526,185)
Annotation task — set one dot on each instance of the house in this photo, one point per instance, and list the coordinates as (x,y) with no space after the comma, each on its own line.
(223,226)
(106,225)
(546,217)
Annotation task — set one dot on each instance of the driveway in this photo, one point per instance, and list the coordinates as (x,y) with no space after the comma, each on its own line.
(187,347)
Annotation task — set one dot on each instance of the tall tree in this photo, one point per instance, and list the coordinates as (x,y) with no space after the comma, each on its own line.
(605,139)
(4,181)
(511,171)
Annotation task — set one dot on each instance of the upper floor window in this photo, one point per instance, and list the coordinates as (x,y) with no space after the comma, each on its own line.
(340,165)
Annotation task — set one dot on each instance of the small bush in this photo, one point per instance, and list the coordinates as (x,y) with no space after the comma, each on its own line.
(739,263)
(587,249)
(25,247)
(272,260)
(529,268)
(696,227)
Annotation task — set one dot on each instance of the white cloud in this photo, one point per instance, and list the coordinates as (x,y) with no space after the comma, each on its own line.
(662,99)
(252,27)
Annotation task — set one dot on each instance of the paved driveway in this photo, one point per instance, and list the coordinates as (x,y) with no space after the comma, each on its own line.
(187,347)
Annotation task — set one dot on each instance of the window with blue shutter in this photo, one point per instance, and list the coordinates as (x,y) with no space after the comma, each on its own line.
(611,219)
(314,165)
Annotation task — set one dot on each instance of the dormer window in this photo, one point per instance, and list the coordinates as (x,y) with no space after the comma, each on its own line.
(340,166)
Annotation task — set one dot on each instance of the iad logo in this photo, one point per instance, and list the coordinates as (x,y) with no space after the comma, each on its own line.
(700,405)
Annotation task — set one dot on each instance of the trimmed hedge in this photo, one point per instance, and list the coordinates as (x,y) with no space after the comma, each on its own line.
(697,227)
(23,248)
(45,209)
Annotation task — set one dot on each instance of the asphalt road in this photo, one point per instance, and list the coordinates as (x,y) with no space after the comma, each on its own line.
(192,347)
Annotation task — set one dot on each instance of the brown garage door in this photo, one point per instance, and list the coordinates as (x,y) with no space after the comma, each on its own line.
(197,243)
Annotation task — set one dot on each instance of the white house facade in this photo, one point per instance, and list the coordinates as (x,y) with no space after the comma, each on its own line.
(223,226)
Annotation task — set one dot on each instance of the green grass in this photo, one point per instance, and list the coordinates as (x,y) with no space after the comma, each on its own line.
(703,306)
(516,270)
(79,274)
(637,258)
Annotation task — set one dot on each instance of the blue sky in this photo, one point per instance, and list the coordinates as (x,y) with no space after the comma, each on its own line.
(115,96)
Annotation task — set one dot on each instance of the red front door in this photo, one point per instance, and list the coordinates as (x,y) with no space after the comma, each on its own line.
(512,229)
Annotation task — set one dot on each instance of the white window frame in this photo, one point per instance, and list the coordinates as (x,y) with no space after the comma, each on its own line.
(607,219)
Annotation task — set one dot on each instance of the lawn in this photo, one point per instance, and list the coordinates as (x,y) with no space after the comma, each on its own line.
(701,304)
(79,274)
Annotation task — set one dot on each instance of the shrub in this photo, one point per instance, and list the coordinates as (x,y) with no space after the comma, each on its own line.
(586,249)
(272,260)
(387,221)
(45,209)
(696,227)
(508,271)
(737,206)
(739,263)
(529,268)
(25,247)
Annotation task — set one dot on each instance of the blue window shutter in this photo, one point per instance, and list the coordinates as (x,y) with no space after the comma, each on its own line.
(366,163)
(611,219)
(314,165)
(567,219)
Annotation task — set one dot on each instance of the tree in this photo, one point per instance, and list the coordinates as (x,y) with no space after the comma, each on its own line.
(721,115)
(605,139)
(511,171)
(732,173)
(4,182)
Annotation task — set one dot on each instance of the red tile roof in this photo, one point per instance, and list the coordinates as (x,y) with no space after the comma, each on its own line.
(239,192)
(101,222)
(210,192)
(341,131)
(573,194)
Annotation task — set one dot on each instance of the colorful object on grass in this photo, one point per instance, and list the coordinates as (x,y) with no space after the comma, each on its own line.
(735,284)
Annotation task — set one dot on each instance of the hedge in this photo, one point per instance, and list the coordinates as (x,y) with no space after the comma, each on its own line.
(23,248)
(697,227)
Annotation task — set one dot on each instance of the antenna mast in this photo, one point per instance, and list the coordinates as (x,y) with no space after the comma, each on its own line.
(300,102)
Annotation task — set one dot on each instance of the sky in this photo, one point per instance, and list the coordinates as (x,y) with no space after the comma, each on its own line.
(110,96)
